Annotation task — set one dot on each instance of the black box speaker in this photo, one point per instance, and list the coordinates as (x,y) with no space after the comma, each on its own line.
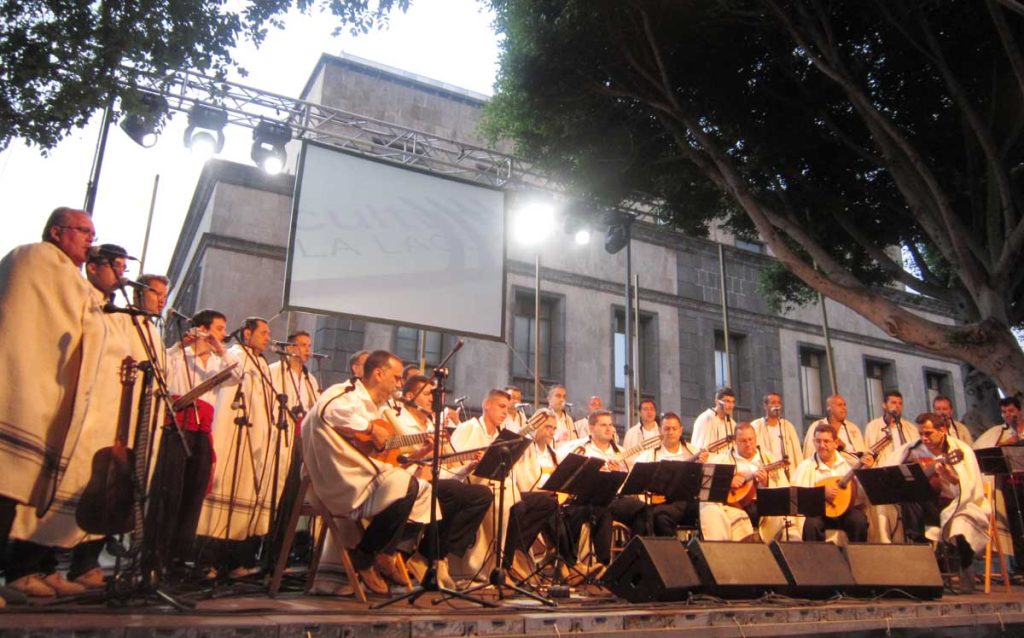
(651,570)
(813,570)
(736,570)
(878,567)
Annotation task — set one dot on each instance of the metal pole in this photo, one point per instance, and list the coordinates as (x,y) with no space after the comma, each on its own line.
(97,158)
(536,335)
(828,346)
(149,224)
(423,351)
(725,315)
(636,339)
(629,327)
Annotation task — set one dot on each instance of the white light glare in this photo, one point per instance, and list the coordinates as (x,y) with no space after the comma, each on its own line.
(203,145)
(534,222)
(273,165)
(583,236)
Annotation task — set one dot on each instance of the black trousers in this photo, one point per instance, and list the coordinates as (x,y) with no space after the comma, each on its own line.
(853,522)
(8,508)
(917,516)
(385,529)
(1013,496)
(663,519)
(176,496)
(463,508)
(625,510)
(26,557)
(536,512)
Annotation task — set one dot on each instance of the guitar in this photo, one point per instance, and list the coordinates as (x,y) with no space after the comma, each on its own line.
(105,506)
(928,465)
(846,486)
(630,452)
(746,493)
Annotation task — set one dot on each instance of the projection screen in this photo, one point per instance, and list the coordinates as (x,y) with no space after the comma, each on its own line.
(375,241)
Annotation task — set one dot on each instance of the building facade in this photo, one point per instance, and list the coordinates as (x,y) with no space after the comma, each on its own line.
(232,249)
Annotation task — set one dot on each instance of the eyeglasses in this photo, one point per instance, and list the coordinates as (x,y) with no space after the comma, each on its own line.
(85,230)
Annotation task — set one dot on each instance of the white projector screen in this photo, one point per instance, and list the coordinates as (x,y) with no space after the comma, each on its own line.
(375,241)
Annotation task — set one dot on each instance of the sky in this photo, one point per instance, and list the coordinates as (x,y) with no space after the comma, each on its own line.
(447,40)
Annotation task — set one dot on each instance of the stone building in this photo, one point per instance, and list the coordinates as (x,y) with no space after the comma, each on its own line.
(232,249)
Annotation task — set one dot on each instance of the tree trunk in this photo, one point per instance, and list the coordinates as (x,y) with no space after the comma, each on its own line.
(981,395)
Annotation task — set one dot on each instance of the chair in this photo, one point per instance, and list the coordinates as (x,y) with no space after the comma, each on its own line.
(993,540)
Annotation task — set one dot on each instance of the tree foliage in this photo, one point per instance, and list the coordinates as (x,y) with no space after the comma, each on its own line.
(849,135)
(61,60)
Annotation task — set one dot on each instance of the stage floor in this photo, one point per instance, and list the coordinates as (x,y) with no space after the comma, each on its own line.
(234,614)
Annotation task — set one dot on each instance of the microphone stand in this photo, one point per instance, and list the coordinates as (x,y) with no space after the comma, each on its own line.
(430,583)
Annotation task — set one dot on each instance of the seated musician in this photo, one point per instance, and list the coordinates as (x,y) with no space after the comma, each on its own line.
(958,511)
(663,518)
(463,505)
(350,482)
(754,468)
(828,462)
(537,510)
(624,509)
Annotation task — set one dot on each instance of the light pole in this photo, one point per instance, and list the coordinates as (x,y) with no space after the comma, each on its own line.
(533,223)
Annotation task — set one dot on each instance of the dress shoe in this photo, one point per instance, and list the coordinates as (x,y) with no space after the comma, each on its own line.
(372,580)
(387,567)
(62,585)
(12,596)
(242,572)
(92,579)
(32,585)
(444,579)
(417,566)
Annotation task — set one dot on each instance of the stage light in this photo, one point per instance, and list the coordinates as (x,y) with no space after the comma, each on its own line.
(534,222)
(205,133)
(268,143)
(142,125)
(582,236)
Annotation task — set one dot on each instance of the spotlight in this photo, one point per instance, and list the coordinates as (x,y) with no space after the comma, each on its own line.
(577,224)
(582,236)
(268,143)
(616,238)
(534,222)
(143,125)
(205,133)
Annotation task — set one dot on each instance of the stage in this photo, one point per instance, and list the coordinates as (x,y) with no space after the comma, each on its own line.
(231,614)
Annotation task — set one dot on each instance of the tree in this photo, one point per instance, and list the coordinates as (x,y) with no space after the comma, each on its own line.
(61,61)
(868,143)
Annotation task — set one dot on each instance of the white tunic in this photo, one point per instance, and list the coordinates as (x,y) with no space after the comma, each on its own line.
(849,434)
(301,387)
(637,435)
(768,439)
(708,428)
(720,522)
(875,430)
(565,428)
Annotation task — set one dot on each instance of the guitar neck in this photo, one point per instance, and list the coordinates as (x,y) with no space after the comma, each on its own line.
(404,440)
(124,413)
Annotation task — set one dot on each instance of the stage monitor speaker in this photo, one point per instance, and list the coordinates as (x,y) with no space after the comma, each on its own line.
(813,570)
(736,570)
(651,570)
(879,567)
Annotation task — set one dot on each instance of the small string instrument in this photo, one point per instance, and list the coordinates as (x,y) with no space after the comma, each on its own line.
(846,486)
(746,493)
(928,465)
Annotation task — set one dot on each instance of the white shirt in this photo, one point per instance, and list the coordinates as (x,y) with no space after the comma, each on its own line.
(683,453)
(638,434)
(185,373)
(301,387)
(708,428)
(849,434)
(565,428)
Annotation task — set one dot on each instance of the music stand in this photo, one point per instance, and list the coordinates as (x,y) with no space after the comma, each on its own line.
(640,478)
(496,465)
(905,483)
(1005,459)
(790,501)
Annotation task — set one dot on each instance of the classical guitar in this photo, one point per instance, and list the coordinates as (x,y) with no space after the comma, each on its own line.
(846,486)
(746,493)
(928,465)
(105,506)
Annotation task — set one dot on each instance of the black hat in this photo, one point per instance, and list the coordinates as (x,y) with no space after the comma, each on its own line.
(108,251)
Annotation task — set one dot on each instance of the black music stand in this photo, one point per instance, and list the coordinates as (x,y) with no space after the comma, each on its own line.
(641,477)
(893,484)
(790,501)
(496,465)
(593,488)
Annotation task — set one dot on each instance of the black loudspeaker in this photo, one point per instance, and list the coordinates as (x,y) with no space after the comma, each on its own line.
(736,570)
(651,570)
(877,568)
(813,570)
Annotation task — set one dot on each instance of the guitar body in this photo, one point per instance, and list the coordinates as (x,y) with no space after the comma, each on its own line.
(105,506)
(844,496)
(743,495)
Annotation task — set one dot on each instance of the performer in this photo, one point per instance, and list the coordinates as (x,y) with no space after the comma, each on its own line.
(476,433)
(516,419)
(594,403)
(663,518)
(566,427)
(776,434)
(624,509)
(848,435)
(356,362)
(943,406)
(181,481)
(248,446)
(715,423)
(32,561)
(892,415)
(721,522)
(463,506)
(353,485)
(1010,508)
(828,462)
(291,377)
(958,512)
(646,428)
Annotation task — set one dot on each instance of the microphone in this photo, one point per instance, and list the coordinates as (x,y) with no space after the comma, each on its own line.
(459,400)
(281,352)
(568,405)
(521,406)
(320,355)
(775,410)
(135,312)
(458,346)
(124,281)
(177,315)
(282,344)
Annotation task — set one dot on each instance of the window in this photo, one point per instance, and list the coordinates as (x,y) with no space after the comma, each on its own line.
(407,345)
(813,382)
(524,332)
(937,382)
(728,373)
(646,356)
(879,377)
(750,246)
